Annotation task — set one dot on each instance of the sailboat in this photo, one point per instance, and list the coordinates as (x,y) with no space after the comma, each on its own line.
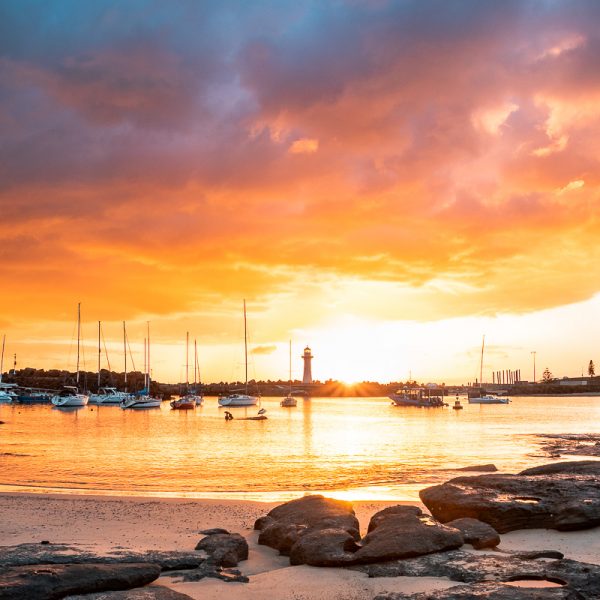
(289,400)
(6,393)
(479,397)
(70,395)
(199,396)
(105,396)
(241,399)
(143,399)
(187,401)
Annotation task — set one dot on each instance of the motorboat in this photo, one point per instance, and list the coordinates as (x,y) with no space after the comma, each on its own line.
(70,396)
(141,400)
(108,396)
(239,400)
(418,396)
(489,399)
(8,392)
(184,403)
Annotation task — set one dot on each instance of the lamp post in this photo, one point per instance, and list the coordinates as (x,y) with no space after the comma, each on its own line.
(534,353)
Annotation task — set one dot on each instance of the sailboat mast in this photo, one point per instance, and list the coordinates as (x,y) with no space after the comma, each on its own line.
(78,338)
(195,364)
(481,363)
(125,351)
(145,365)
(99,353)
(2,357)
(148,328)
(290,367)
(246,347)
(187,358)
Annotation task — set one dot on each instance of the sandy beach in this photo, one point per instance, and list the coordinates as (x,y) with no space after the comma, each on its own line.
(102,524)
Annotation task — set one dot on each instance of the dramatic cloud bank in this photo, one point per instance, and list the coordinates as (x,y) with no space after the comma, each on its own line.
(170,158)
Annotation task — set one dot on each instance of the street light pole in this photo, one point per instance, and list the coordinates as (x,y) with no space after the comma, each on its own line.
(534,353)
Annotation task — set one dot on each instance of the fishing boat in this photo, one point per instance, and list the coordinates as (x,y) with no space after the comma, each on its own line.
(289,401)
(143,398)
(70,395)
(244,399)
(417,396)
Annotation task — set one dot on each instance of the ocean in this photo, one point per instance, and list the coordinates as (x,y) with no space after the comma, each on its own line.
(353,448)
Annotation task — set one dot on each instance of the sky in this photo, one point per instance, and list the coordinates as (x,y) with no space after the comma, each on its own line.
(384,181)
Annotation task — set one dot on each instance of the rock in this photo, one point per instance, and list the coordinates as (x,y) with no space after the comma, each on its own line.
(477,533)
(404,533)
(209,569)
(213,531)
(324,548)
(580,467)
(489,468)
(283,525)
(562,496)
(484,591)
(32,554)
(225,549)
(151,592)
(399,510)
(58,581)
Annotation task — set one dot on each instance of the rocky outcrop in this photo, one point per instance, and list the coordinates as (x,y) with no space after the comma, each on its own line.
(224,549)
(562,496)
(485,591)
(322,532)
(57,581)
(477,533)
(581,580)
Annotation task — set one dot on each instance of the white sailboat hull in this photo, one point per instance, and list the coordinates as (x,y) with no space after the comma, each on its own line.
(239,400)
(108,399)
(289,401)
(141,403)
(489,400)
(75,400)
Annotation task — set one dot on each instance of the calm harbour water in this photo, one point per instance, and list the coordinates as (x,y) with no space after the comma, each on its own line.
(356,448)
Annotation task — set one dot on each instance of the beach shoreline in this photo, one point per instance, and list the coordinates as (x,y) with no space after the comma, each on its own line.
(105,524)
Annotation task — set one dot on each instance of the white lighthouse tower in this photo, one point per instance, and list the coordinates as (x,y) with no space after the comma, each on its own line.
(307,358)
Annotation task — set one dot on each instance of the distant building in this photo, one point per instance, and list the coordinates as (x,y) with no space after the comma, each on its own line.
(307,358)
(574,381)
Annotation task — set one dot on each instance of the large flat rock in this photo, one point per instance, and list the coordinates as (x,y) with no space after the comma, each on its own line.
(150,592)
(57,581)
(563,496)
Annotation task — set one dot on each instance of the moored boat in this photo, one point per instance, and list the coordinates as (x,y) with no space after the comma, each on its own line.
(488,399)
(418,396)
(108,396)
(289,401)
(244,399)
(70,396)
(184,403)
(141,400)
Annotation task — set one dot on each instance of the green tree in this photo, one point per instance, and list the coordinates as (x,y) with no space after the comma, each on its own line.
(547,376)
(591,369)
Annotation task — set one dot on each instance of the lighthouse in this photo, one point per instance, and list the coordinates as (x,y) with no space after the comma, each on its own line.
(307,358)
